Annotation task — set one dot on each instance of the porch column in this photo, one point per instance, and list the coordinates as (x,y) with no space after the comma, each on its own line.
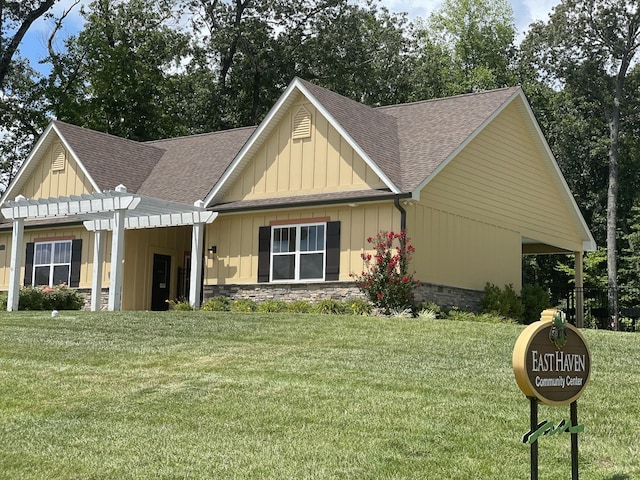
(117,255)
(16,264)
(98,258)
(197,240)
(579,280)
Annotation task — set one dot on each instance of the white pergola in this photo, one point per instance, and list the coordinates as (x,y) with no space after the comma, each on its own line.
(115,211)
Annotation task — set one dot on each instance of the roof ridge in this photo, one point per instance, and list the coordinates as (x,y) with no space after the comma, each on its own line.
(196,135)
(98,132)
(441,99)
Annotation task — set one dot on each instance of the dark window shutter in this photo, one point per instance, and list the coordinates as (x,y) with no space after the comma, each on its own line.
(264,254)
(76,256)
(332,266)
(28,265)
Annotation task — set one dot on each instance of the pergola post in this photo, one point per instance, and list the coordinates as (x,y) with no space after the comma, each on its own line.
(16,264)
(579,279)
(117,255)
(96,282)
(197,241)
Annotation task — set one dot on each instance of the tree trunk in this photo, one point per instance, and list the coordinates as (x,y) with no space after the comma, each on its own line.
(612,196)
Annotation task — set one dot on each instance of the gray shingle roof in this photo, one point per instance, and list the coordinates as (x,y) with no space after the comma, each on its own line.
(111,160)
(430,131)
(407,142)
(191,165)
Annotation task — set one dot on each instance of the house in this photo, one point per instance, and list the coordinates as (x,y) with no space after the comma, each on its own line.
(283,210)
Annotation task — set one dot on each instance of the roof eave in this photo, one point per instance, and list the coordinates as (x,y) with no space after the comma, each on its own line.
(314,203)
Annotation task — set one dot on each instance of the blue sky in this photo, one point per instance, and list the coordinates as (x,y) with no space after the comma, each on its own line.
(34,44)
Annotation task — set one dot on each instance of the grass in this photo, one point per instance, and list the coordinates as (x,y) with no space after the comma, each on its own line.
(282,396)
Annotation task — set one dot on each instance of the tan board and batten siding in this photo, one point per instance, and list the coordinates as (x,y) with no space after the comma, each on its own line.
(276,169)
(236,238)
(140,246)
(57,174)
(49,180)
(319,162)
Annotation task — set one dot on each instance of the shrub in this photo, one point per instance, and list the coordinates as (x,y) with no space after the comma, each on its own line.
(329,306)
(59,297)
(243,305)
(217,304)
(626,324)
(459,315)
(427,314)
(358,306)
(300,306)
(535,299)
(181,305)
(502,302)
(387,282)
(272,306)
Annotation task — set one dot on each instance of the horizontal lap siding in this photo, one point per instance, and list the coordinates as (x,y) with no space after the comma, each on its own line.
(500,178)
(323,163)
(236,238)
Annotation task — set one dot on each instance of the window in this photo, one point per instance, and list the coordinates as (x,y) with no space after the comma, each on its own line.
(304,252)
(298,252)
(53,263)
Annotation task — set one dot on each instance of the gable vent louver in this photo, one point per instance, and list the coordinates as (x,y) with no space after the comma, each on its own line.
(302,124)
(59,158)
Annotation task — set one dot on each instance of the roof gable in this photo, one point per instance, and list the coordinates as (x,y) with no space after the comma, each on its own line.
(308,160)
(361,121)
(108,159)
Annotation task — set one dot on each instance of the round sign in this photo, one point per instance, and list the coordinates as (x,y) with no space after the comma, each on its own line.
(551,360)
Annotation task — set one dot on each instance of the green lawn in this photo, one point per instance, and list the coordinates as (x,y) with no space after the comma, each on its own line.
(283,396)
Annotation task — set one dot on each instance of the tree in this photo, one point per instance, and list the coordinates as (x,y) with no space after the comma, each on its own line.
(478,39)
(15,20)
(120,74)
(21,110)
(588,47)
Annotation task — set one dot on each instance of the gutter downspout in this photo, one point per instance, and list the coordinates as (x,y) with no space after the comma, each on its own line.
(403,214)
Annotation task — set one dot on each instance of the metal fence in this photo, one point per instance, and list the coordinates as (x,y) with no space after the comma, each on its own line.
(597,313)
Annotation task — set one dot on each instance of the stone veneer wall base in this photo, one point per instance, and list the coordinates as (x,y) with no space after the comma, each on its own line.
(444,296)
(86,293)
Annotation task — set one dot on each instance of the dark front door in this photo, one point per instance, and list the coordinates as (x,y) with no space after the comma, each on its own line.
(160,287)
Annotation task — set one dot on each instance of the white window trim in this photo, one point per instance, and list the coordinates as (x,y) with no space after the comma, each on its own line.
(51,264)
(297,254)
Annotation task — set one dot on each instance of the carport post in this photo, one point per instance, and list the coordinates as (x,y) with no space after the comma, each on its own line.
(579,290)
